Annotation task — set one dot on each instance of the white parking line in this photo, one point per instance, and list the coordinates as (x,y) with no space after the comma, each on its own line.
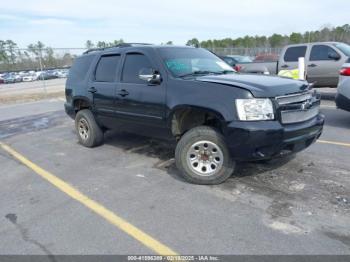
(327,106)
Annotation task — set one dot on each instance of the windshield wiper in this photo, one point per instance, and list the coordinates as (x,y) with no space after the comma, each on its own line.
(226,72)
(207,72)
(200,73)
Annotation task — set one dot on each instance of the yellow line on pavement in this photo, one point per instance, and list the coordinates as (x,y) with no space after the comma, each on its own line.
(111,217)
(333,143)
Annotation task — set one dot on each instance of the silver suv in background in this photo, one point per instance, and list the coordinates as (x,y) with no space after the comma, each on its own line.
(323,61)
(343,93)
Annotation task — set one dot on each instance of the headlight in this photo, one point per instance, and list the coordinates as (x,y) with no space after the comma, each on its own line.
(254,109)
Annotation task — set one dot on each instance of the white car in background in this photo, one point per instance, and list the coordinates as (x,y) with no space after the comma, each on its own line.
(28,78)
(37,74)
(342,98)
(62,73)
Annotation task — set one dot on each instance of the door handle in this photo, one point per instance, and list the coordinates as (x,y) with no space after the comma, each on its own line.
(92,90)
(312,65)
(123,93)
(284,66)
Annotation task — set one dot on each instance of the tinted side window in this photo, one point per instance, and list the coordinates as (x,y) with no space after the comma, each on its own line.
(80,68)
(106,69)
(133,64)
(293,53)
(321,52)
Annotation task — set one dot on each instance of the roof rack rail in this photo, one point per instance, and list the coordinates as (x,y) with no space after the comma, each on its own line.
(114,46)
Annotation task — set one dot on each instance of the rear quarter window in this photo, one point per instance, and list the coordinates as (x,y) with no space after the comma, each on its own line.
(293,53)
(80,68)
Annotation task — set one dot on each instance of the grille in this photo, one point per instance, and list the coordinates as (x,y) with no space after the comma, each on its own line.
(298,107)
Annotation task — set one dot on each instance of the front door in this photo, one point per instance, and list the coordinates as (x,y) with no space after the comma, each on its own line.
(323,68)
(138,101)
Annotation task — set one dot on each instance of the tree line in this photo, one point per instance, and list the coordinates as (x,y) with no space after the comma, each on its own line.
(103,44)
(327,33)
(12,58)
(34,57)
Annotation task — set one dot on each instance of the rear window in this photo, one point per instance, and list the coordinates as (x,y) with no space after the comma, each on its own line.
(106,69)
(80,68)
(293,53)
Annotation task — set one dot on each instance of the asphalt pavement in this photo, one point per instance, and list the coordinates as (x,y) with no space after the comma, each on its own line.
(297,205)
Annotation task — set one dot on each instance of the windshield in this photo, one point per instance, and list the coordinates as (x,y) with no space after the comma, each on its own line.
(344,48)
(193,61)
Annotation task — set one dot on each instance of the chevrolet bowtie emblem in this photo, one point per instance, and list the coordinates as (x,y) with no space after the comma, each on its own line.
(306,105)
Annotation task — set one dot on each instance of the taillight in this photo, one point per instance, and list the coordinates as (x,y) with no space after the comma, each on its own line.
(345,71)
(237,68)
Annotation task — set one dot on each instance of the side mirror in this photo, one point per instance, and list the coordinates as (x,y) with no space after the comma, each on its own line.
(150,75)
(334,56)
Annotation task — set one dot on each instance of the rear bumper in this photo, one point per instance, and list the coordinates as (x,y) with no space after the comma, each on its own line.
(69,110)
(342,102)
(270,139)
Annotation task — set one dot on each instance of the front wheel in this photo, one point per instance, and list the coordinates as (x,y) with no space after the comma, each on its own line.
(203,157)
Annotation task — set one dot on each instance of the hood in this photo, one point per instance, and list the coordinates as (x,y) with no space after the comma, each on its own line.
(259,85)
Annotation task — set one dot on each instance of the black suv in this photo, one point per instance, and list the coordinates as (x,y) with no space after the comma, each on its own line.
(190,95)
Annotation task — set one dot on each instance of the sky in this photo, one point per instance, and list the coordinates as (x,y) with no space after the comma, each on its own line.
(69,23)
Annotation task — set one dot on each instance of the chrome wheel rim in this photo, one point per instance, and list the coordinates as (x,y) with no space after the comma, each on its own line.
(83,129)
(205,158)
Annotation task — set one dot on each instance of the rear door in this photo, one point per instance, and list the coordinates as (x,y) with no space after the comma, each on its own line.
(103,86)
(321,67)
(291,56)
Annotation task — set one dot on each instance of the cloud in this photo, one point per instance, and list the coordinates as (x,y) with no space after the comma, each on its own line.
(158,21)
(6,17)
(50,22)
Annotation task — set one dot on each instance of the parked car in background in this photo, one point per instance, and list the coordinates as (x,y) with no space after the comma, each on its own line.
(37,74)
(323,62)
(342,98)
(46,75)
(18,77)
(28,78)
(9,79)
(266,57)
(232,60)
(61,73)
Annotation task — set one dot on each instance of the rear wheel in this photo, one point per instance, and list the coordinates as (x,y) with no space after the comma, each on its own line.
(203,157)
(88,131)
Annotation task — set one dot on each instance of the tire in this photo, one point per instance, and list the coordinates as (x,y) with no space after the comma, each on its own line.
(203,157)
(89,133)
